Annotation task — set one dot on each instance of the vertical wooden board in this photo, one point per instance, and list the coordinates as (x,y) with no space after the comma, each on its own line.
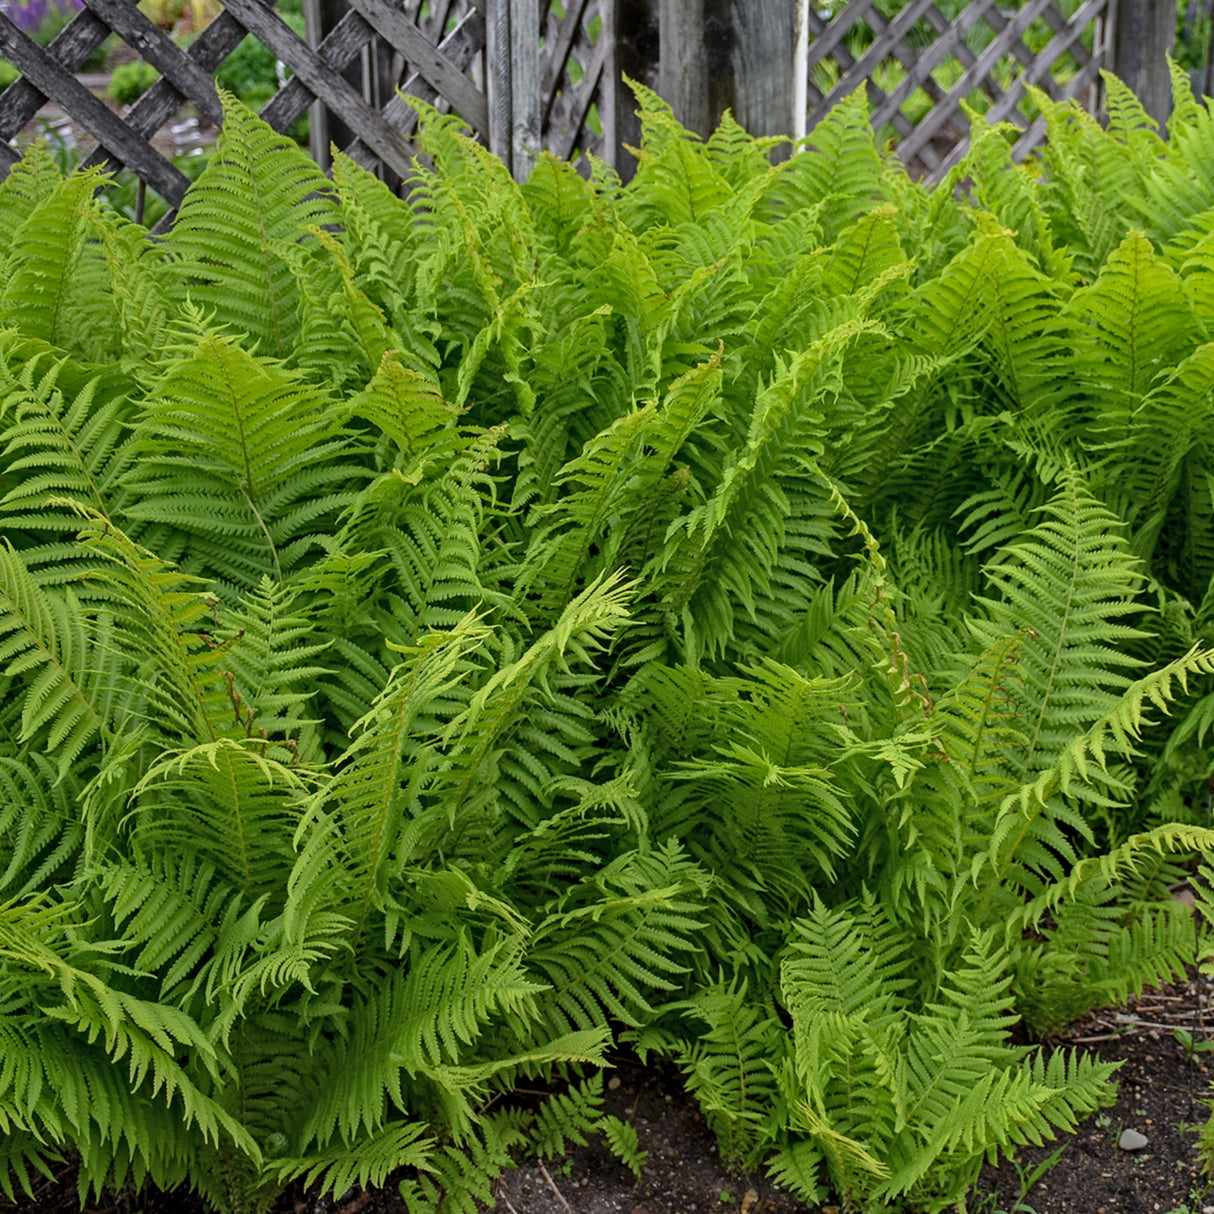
(525,91)
(762,39)
(682,79)
(611,85)
(637,44)
(1145,31)
(498,70)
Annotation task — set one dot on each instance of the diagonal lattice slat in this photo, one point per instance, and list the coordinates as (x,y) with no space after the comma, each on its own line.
(577,77)
(435,50)
(937,140)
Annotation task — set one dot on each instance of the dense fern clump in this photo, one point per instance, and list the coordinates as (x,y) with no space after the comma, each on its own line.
(732,614)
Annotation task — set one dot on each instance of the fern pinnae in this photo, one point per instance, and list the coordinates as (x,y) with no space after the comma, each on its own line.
(66,430)
(42,629)
(222,240)
(386,767)
(37,290)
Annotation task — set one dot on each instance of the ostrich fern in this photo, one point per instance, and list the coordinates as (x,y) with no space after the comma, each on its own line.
(441,637)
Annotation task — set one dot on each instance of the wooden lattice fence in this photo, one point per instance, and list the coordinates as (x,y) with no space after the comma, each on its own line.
(532,74)
(925,45)
(523,74)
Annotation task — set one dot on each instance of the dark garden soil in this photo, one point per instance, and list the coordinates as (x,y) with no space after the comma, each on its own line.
(1161,1096)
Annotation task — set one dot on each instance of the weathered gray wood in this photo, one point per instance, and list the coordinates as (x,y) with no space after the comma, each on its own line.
(525,100)
(838,29)
(337,93)
(610,85)
(556,50)
(106,127)
(636,43)
(887,108)
(461,46)
(881,46)
(153,109)
(1057,46)
(427,59)
(758,84)
(1143,34)
(150,42)
(338,49)
(70,48)
(998,48)
(682,74)
(1036,132)
(499,62)
(562,143)
(919,68)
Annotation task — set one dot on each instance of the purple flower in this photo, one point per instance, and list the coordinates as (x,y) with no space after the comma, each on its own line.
(30,15)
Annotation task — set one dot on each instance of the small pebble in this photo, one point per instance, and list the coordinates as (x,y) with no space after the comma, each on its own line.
(613,1083)
(1132,1140)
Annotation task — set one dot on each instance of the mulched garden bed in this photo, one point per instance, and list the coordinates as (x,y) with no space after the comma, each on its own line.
(1162,1096)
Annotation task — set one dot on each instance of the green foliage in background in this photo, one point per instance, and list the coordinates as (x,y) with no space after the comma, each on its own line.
(735,614)
(130,81)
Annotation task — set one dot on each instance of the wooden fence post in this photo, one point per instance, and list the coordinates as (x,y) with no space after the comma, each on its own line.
(324,127)
(683,70)
(635,46)
(729,54)
(751,47)
(1143,34)
(499,66)
(525,86)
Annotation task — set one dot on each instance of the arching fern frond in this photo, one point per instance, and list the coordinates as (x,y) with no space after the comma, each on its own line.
(46,250)
(1070,580)
(259,190)
(64,432)
(30,182)
(71,670)
(618,939)
(241,455)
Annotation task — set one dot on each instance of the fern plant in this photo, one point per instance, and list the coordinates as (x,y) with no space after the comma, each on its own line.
(441,637)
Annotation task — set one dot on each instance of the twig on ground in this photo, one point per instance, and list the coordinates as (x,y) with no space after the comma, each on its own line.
(552,1185)
(500,1196)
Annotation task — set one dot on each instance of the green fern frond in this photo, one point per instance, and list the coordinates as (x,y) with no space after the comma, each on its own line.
(616,947)
(718,555)
(31,181)
(730,1069)
(182,688)
(40,829)
(373,796)
(418,1020)
(44,257)
(71,672)
(1139,320)
(226,802)
(460,1178)
(798,1168)
(841,172)
(263,455)
(566,1118)
(1069,580)
(623,1143)
(65,433)
(364,1163)
(258,191)
(676,181)
(522,694)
